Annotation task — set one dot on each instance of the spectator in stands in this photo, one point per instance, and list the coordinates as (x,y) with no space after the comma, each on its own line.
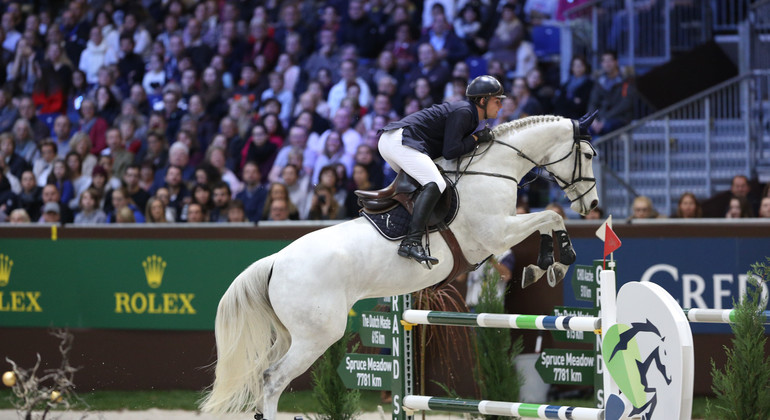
(62,132)
(131,182)
(19,216)
(51,214)
(358,29)
(688,207)
(540,90)
(448,46)
(236,212)
(61,177)
(89,212)
(93,125)
(430,67)
(348,76)
(739,208)
(47,92)
(298,184)
(44,163)
(333,152)
(284,96)
(30,196)
(341,124)
(506,38)
(253,194)
(279,193)
(279,210)
(642,208)
(131,66)
(571,99)
(719,204)
(81,143)
(178,193)
(107,105)
(155,152)
(216,157)
(259,150)
(80,180)
(359,181)
(297,139)
(262,44)
(556,207)
(39,129)
(156,211)
(613,95)
(12,161)
(469,28)
(323,205)
(196,214)
(764,207)
(221,196)
(21,72)
(595,214)
(97,54)
(50,195)
(164,196)
(527,105)
(8,112)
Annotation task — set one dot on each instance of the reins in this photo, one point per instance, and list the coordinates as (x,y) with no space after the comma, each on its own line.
(577,169)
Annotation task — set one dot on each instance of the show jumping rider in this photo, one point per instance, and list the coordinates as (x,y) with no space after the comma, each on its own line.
(447,130)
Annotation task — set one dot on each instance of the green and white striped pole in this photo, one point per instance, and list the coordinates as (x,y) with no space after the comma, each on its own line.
(498,408)
(514,321)
(722,316)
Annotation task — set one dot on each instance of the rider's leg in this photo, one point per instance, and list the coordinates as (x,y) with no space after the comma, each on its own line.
(420,167)
(411,246)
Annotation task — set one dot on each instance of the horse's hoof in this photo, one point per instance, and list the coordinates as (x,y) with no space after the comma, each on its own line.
(258,416)
(531,274)
(556,274)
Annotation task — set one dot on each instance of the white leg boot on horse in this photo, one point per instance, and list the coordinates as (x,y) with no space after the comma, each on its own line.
(411,246)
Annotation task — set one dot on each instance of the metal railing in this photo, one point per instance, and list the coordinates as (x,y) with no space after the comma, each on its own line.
(645,33)
(696,146)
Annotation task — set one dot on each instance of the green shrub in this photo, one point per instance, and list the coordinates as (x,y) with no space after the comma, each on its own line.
(335,400)
(496,372)
(742,388)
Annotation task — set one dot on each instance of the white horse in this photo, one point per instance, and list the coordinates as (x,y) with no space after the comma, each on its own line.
(283,311)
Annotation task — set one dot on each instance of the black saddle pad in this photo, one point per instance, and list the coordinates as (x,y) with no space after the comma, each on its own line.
(393,224)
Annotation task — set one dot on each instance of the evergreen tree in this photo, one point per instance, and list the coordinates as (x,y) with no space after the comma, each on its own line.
(742,388)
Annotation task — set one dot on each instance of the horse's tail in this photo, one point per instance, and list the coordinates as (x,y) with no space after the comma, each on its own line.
(250,338)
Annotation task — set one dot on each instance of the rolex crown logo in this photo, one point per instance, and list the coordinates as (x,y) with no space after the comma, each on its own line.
(6,264)
(154,267)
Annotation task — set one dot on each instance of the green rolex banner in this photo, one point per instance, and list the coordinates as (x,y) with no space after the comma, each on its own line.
(123,284)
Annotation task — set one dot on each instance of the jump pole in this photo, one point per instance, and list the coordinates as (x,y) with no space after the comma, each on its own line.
(497,408)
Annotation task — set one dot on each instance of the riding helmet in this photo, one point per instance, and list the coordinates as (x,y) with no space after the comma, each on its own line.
(484,86)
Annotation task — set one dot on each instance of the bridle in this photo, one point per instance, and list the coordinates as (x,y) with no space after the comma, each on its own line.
(577,168)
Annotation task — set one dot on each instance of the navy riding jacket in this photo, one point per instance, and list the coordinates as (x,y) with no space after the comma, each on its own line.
(440,130)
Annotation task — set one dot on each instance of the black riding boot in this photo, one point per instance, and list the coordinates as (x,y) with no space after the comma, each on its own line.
(411,246)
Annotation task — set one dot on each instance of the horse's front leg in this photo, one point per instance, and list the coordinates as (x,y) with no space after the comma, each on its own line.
(519,227)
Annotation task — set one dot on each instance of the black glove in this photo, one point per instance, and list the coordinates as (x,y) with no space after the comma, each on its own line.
(484,135)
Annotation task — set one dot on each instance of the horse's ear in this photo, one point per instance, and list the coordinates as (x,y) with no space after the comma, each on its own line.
(586,120)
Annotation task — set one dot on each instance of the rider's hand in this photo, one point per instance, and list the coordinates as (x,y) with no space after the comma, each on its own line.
(484,135)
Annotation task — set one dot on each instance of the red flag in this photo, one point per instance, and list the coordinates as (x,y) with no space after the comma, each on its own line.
(611,241)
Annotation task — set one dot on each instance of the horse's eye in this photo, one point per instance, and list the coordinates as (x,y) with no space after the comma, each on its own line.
(588,156)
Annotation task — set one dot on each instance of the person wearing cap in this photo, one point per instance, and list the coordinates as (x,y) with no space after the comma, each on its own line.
(447,130)
(51,213)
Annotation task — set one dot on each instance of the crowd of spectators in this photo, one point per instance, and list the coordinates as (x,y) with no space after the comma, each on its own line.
(165,111)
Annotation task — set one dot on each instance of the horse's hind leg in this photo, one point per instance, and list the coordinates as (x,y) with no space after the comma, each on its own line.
(301,355)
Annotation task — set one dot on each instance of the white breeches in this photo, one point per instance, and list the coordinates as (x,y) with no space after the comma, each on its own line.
(418,165)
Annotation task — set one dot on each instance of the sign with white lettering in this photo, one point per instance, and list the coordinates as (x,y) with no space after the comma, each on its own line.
(584,283)
(376,329)
(367,371)
(566,367)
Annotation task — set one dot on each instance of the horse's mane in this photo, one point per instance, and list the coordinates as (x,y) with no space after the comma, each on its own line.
(524,123)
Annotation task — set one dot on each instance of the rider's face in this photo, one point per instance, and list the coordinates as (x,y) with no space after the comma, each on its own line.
(493,107)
